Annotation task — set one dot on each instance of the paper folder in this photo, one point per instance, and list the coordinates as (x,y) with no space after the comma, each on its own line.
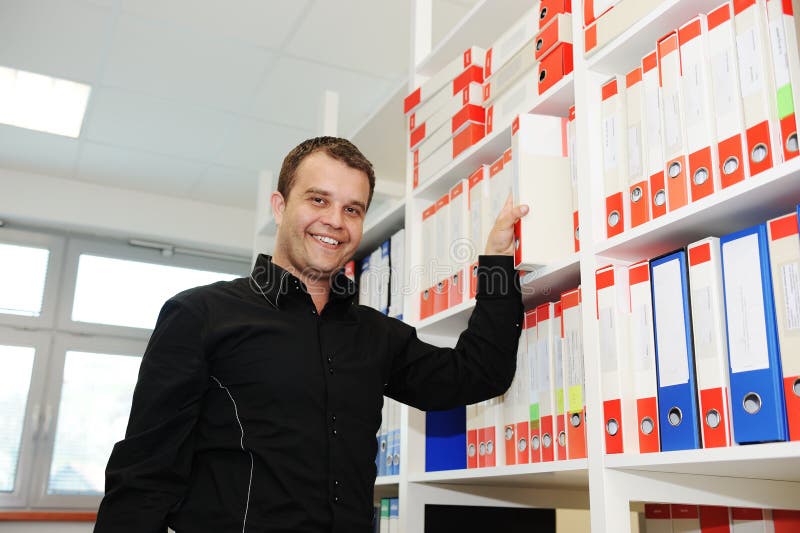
(757,403)
(677,393)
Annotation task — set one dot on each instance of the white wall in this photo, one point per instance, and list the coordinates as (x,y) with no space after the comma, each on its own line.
(45,201)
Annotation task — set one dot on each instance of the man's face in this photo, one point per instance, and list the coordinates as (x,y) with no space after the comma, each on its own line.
(322,220)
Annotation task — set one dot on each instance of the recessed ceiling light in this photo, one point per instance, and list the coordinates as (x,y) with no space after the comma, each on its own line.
(42,103)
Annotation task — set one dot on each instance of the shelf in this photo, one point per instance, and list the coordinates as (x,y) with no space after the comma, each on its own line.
(538,286)
(386,487)
(449,322)
(555,101)
(380,228)
(547,283)
(558,474)
(626,51)
(772,193)
(778,461)
(483,25)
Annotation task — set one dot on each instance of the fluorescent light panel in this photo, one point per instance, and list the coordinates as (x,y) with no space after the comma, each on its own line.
(42,103)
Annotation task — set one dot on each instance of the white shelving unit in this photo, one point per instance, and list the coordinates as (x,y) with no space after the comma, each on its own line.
(766,475)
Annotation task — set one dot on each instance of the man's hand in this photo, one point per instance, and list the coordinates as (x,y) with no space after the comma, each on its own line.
(501,238)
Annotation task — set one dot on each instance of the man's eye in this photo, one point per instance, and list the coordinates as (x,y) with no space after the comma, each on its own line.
(317,200)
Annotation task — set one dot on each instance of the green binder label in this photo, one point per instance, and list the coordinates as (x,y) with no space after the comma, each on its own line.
(785,101)
(575,398)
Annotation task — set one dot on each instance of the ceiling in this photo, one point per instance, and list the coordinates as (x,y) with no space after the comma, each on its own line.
(193,98)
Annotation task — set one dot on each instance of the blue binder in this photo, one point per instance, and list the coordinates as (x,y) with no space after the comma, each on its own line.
(678,417)
(445,439)
(757,406)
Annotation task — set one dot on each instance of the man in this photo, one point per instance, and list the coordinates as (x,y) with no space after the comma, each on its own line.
(258,399)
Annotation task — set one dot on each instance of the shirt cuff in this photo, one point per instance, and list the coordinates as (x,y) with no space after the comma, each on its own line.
(497,277)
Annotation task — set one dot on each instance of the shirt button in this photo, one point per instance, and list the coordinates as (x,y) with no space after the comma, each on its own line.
(333,419)
(330,370)
(333,432)
(330,359)
(313,311)
(335,499)
(336,482)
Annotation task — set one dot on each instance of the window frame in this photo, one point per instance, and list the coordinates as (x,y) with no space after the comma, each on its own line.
(62,343)
(35,409)
(56,245)
(79,246)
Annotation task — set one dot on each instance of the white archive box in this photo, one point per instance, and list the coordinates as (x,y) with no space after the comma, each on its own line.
(653,137)
(504,48)
(615,21)
(457,74)
(460,250)
(613,132)
(639,207)
(594,9)
(783,31)
(756,81)
(546,328)
(703,172)
(710,341)
(673,115)
(643,357)
(728,111)
(444,154)
(558,30)
(616,372)
(516,101)
(540,177)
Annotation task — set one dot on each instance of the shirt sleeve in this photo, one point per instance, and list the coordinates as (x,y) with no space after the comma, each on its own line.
(147,472)
(483,362)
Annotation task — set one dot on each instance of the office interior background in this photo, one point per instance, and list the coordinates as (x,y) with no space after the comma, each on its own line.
(139,142)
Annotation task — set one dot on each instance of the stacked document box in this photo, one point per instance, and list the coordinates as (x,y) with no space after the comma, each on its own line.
(532,56)
(664,517)
(445,114)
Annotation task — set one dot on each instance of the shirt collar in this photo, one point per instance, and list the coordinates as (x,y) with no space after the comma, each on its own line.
(274,282)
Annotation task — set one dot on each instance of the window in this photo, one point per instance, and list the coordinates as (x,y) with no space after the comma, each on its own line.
(67,378)
(15,379)
(137,290)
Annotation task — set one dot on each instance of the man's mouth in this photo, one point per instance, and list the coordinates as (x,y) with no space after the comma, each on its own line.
(326,240)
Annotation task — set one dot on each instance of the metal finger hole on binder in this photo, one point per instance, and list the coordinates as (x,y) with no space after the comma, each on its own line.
(730,166)
(700,176)
(613,218)
(535,443)
(547,440)
(575,420)
(509,433)
(539,44)
(752,403)
(796,387)
(542,75)
(713,419)
(543,13)
(791,143)
(562,439)
(674,169)
(490,447)
(636,194)
(759,153)
(612,427)
(660,198)
(522,444)
(471,450)
(647,425)
(675,417)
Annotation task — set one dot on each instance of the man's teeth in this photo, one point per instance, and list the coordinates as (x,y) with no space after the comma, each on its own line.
(326,240)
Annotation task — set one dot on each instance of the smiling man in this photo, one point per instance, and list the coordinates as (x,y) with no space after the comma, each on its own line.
(258,399)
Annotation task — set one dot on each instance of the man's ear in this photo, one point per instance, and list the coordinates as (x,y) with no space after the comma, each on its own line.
(278,205)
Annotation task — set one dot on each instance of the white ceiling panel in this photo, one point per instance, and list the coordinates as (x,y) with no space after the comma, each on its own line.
(137,170)
(293,91)
(256,145)
(261,22)
(183,63)
(62,38)
(227,186)
(33,151)
(364,35)
(135,120)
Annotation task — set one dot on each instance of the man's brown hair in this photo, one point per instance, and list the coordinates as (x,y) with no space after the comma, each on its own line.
(335,147)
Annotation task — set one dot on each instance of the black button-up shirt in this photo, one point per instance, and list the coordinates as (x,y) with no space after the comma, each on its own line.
(254,413)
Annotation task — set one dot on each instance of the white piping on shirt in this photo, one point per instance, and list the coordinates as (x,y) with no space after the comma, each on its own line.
(241,444)
(280,286)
